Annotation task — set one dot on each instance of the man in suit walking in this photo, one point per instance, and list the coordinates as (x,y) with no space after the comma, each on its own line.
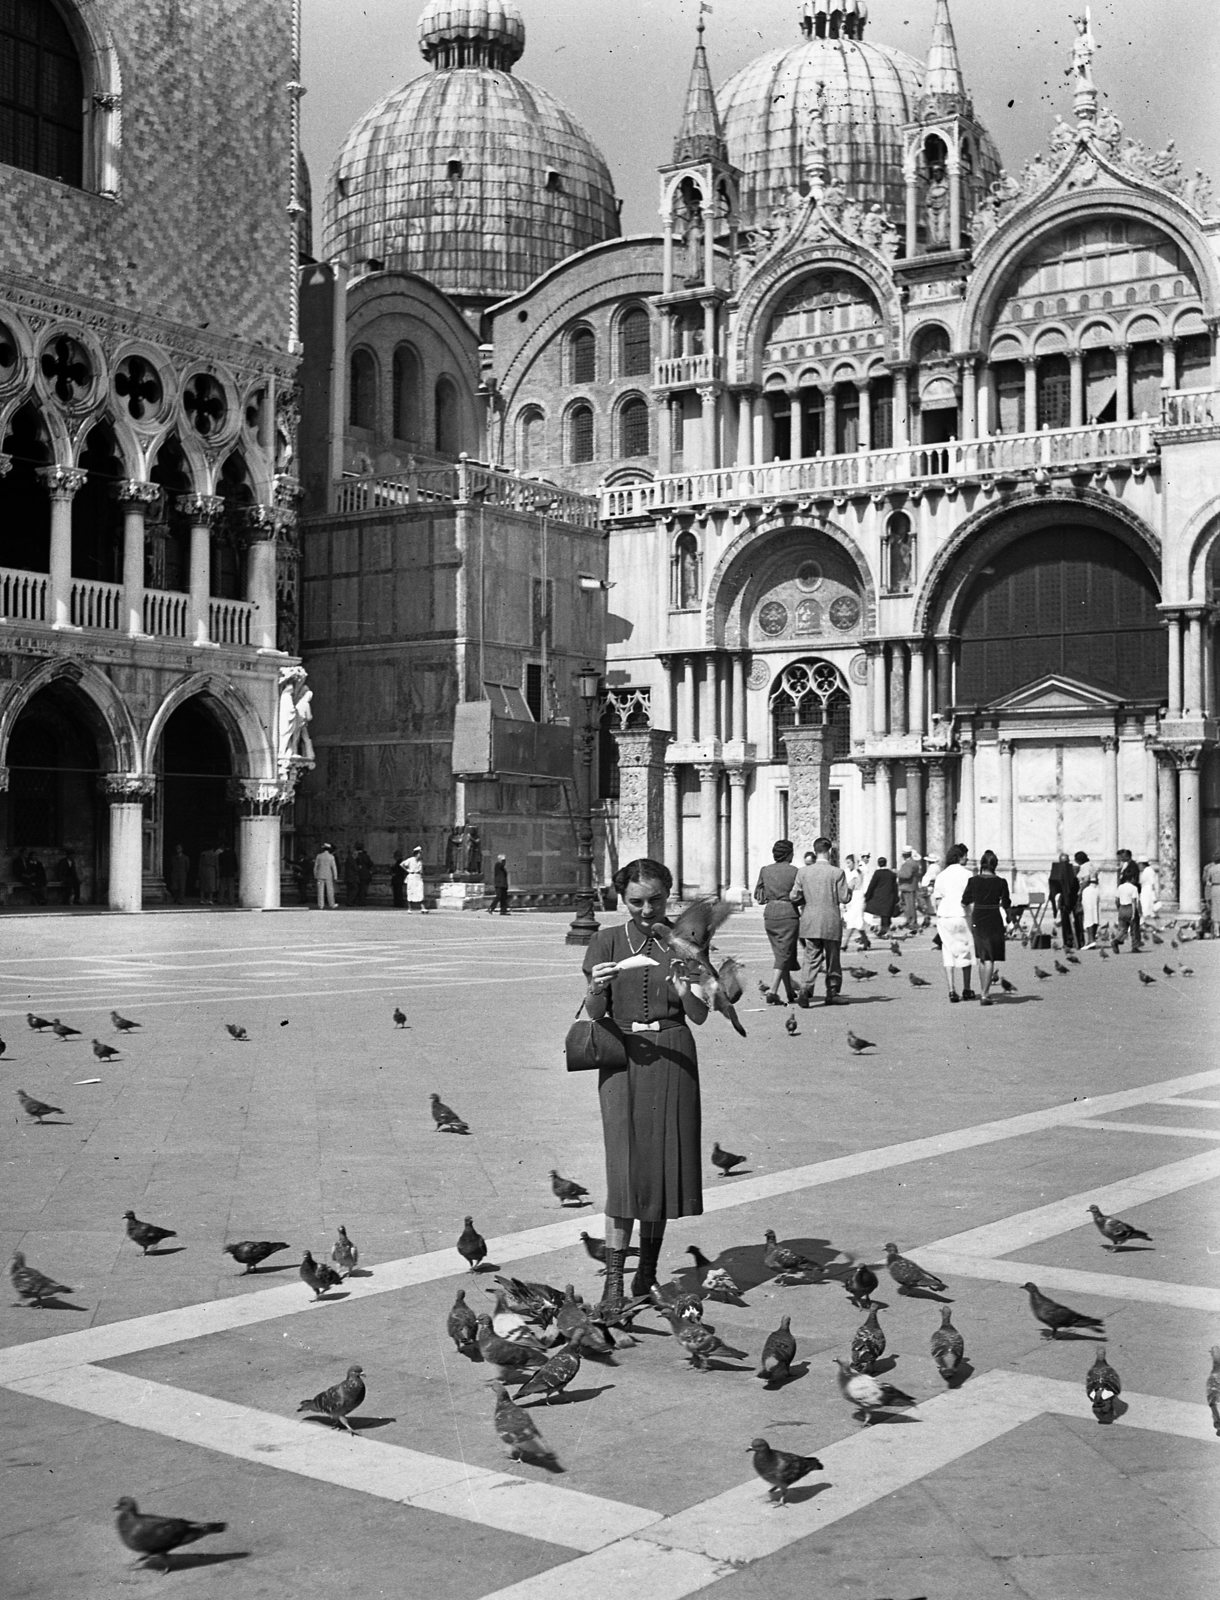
(821,891)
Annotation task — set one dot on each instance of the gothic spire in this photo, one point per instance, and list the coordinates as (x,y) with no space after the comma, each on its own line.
(701,137)
(944,88)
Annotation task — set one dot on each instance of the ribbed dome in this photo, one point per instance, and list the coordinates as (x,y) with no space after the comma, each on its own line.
(870,92)
(468,175)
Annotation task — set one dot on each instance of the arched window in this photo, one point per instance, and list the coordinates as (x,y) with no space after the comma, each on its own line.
(362,390)
(407,390)
(580,433)
(584,356)
(25,505)
(533,449)
(42,93)
(228,537)
(809,694)
(931,344)
(899,553)
(685,577)
(1054,392)
(448,418)
(635,334)
(633,427)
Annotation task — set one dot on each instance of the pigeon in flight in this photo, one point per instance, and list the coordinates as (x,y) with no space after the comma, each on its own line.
(1115,1231)
(778,1354)
(340,1399)
(1054,1317)
(868,1395)
(146,1234)
(38,1109)
(948,1347)
(32,1286)
(39,1024)
(104,1052)
(781,1469)
(566,1191)
(856,1045)
(236,1032)
(251,1252)
(318,1275)
(725,1160)
(908,1275)
(517,1431)
(344,1253)
(472,1246)
(446,1118)
(154,1538)
(868,1345)
(1103,1386)
(784,1262)
(689,944)
(860,1283)
(61,1030)
(124,1024)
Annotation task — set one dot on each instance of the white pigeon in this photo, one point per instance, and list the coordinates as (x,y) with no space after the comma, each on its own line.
(868,1394)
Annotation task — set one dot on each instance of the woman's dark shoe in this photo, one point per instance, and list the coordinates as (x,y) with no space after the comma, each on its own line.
(968,994)
(616,1261)
(646,1271)
(954,996)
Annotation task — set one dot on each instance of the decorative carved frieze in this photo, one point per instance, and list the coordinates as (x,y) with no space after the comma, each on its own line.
(127,788)
(62,483)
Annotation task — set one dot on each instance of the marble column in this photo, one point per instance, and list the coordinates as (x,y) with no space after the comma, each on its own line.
(1188,759)
(739,697)
(944,675)
(672,802)
(937,839)
(966,818)
(135,499)
(709,826)
(708,685)
(262,526)
(1076,380)
(1122,383)
(745,427)
(883,827)
(970,412)
(1169,363)
(62,485)
(898,687)
(864,426)
(686,699)
(1167,823)
(201,512)
(1174,698)
(808,785)
(1007,844)
(868,806)
(953,171)
(1152,830)
(707,433)
(1109,798)
(665,436)
(876,721)
(739,887)
(126,794)
(641,806)
(986,403)
(1192,664)
(673,669)
(917,722)
(260,802)
(902,408)
(915,808)
(1030,421)
(830,426)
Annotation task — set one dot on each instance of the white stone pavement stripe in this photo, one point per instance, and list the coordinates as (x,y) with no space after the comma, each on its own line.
(1199,1105)
(1154,1127)
(1146,1291)
(245,1310)
(733,1529)
(1064,1216)
(311,1450)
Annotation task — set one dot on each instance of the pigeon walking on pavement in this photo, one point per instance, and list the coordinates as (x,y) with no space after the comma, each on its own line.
(461,1324)
(124,1024)
(38,1109)
(250,1253)
(868,1395)
(318,1275)
(781,1469)
(597,1250)
(948,1348)
(917,982)
(344,1253)
(39,1024)
(61,1030)
(505,1353)
(713,1279)
(860,1283)
(725,1160)
(689,943)
(785,1263)
(1114,1231)
(1057,1318)
(1212,1389)
(146,1234)
(339,1400)
(856,1044)
(400,1018)
(566,1191)
(32,1286)
(700,1341)
(555,1373)
(908,1275)
(1042,976)
(235,1031)
(154,1539)
(868,1345)
(895,948)
(1103,1386)
(1145,977)
(516,1429)
(778,1354)
(1062,970)
(446,1118)
(1008,988)
(790,1025)
(893,970)
(472,1246)
(104,1052)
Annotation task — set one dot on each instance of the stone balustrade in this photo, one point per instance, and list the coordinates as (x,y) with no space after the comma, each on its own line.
(229,621)
(95,604)
(24,596)
(679,372)
(464,482)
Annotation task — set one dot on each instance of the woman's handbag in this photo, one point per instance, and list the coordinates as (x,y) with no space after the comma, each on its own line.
(592,1044)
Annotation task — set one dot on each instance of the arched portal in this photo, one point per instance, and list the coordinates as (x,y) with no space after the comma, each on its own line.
(55,814)
(194,809)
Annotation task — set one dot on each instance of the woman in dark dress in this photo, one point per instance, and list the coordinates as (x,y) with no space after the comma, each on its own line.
(650,1108)
(988,907)
(781,919)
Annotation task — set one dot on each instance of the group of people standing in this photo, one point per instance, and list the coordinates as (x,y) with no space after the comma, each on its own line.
(215,875)
(1074,896)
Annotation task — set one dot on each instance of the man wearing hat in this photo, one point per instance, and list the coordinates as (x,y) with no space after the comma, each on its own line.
(909,871)
(325,875)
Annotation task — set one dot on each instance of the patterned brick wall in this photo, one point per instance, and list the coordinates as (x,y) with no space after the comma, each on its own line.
(199,232)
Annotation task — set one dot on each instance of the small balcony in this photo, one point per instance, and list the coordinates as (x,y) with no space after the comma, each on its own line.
(463,483)
(684,372)
(956,463)
(1190,411)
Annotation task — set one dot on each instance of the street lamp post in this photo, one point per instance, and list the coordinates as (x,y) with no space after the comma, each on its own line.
(584,925)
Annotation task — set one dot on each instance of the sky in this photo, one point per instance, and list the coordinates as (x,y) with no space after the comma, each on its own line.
(621,67)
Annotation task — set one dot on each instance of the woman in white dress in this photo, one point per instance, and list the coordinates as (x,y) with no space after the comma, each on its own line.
(1090,897)
(1149,891)
(853,911)
(415,880)
(952,926)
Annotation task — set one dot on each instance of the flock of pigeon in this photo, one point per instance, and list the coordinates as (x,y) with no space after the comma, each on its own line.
(536,1335)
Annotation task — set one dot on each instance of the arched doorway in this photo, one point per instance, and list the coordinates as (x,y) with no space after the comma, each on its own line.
(54,810)
(195,764)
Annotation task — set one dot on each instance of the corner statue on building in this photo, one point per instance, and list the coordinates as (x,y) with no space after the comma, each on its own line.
(296,713)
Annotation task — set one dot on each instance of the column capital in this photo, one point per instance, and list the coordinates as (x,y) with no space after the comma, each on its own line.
(1109,743)
(1167,341)
(1182,757)
(258,797)
(805,746)
(62,483)
(707,392)
(260,523)
(708,771)
(134,495)
(6,465)
(862,383)
(868,770)
(641,747)
(1028,361)
(126,788)
(1004,746)
(671,774)
(738,776)
(201,509)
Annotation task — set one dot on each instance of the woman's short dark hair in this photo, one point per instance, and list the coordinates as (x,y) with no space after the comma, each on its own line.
(1080,858)
(643,870)
(988,861)
(783,850)
(881,861)
(955,853)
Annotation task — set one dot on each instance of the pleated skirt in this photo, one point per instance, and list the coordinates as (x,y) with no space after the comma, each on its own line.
(652,1126)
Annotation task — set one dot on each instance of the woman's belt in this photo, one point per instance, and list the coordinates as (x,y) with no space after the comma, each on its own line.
(653,1027)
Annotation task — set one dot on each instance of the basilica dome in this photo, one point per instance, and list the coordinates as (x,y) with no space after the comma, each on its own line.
(468,175)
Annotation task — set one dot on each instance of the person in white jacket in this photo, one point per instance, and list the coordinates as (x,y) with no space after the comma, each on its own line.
(325,875)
